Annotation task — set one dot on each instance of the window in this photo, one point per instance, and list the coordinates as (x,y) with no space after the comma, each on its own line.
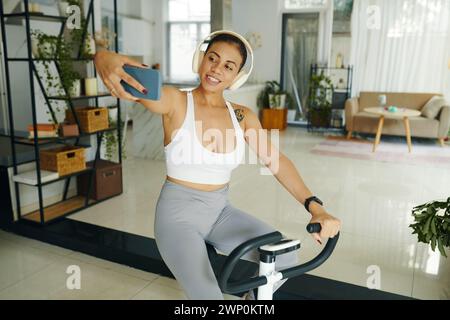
(189,23)
(342,16)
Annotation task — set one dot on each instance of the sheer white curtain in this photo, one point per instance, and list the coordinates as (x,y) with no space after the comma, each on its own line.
(400,45)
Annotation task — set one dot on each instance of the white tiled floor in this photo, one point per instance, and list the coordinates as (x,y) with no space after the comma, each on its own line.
(34,270)
(373,200)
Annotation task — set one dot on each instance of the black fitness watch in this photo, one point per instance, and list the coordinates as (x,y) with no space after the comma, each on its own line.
(308,201)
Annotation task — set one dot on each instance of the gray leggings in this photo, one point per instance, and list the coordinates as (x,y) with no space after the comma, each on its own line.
(187,218)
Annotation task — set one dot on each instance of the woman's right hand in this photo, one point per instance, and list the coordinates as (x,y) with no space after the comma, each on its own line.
(109,66)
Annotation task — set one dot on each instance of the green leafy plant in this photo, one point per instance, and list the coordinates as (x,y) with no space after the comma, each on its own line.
(52,47)
(432,224)
(62,49)
(274,88)
(76,34)
(110,140)
(321,88)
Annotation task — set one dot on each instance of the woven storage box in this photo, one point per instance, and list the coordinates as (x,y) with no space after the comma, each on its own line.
(107,180)
(91,119)
(64,160)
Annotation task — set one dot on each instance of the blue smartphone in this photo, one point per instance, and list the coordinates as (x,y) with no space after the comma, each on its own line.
(149,78)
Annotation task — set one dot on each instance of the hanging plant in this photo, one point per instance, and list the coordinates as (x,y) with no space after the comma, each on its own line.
(110,140)
(52,47)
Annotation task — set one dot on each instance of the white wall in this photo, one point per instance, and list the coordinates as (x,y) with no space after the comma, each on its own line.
(131,8)
(137,26)
(341,44)
(152,13)
(155,11)
(244,18)
(264,17)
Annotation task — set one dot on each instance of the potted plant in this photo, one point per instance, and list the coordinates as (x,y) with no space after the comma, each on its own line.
(273,97)
(274,103)
(43,46)
(319,101)
(432,224)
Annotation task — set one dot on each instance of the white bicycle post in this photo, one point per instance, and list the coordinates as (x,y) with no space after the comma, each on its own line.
(267,261)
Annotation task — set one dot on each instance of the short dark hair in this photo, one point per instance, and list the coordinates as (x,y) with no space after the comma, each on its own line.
(229,38)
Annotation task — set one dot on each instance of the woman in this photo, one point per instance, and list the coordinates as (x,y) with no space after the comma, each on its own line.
(193,206)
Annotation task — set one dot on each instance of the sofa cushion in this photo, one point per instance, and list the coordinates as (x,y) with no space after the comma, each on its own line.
(432,107)
(414,101)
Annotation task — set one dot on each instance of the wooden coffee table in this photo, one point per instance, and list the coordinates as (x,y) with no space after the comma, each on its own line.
(401,113)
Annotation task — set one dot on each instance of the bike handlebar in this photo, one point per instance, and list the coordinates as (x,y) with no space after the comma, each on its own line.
(237,253)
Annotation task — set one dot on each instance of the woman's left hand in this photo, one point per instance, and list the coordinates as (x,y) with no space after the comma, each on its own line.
(330,225)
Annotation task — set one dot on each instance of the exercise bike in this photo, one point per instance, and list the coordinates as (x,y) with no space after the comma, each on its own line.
(270,246)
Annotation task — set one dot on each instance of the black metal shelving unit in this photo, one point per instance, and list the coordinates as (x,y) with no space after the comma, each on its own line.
(66,206)
(339,96)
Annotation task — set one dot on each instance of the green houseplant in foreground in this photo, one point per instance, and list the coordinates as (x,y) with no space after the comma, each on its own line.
(432,224)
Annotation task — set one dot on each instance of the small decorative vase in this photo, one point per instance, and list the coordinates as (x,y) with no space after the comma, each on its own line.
(89,46)
(62,7)
(75,91)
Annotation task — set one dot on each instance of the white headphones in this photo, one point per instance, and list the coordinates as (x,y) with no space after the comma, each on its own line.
(243,75)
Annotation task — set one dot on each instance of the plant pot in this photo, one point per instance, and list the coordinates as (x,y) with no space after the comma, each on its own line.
(291,115)
(112,113)
(35,47)
(89,46)
(277,101)
(320,118)
(75,91)
(62,7)
(274,119)
(34,7)
(42,50)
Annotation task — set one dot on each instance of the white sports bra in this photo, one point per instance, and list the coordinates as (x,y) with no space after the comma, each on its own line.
(187,159)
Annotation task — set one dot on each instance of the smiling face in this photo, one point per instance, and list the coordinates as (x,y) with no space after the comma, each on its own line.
(220,66)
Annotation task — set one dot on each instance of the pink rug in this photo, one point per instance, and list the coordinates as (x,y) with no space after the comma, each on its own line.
(396,152)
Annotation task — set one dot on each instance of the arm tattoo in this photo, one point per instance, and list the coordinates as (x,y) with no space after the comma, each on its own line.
(239,114)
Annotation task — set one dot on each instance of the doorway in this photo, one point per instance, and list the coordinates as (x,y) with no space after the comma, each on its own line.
(300,49)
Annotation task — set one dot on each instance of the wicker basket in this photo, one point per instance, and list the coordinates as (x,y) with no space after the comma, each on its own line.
(64,160)
(91,119)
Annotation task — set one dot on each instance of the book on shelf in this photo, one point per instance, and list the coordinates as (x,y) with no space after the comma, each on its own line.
(30,177)
(43,127)
(44,130)
(43,134)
